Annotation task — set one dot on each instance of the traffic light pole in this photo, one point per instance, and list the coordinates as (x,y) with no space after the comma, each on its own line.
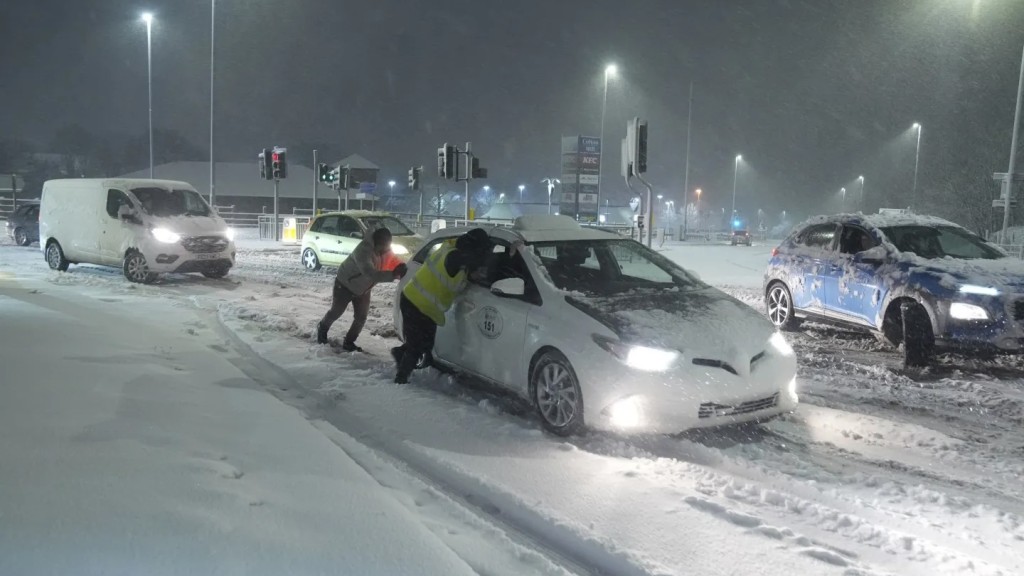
(277,216)
(316,180)
(469,175)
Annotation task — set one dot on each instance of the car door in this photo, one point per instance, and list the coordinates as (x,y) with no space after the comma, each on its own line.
(326,241)
(852,289)
(350,234)
(115,234)
(809,262)
(491,329)
(32,221)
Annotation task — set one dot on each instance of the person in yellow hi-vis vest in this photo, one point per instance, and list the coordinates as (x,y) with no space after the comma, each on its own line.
(427,297)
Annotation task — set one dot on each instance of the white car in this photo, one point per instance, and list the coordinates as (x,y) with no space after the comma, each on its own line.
(599,331)
(332,236)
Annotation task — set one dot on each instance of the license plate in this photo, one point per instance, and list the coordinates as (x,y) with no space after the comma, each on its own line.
(207,256)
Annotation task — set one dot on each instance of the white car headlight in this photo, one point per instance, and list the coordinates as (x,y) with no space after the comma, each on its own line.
(625,413)
(982,290)
(230,234)
(638,357)
(779,344)
(399,250)
(791,388)
(964,311)
(166,236)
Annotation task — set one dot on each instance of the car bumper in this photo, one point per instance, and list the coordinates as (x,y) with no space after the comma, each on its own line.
(174,258)
(697,397)
(1003,334)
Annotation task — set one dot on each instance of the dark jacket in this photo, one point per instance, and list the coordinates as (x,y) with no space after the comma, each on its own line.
(361,271)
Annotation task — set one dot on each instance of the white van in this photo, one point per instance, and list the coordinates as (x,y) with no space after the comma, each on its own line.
(143,226)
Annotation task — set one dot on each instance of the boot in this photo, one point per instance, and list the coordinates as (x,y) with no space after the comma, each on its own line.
(350,346)
(405,367)
(321,333)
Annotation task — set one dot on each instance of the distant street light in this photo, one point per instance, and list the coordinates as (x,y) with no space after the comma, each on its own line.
(521,188)
(917,158)
(501,197)
(609,72)
(148,19)
(391,193)
(843,192)
(861,180)
(735,174)
(551,187)
(487,188)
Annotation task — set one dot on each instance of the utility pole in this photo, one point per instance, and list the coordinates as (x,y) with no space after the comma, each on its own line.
(1008,180)
(686,173)
(213,14)
(469,175)
(316,179)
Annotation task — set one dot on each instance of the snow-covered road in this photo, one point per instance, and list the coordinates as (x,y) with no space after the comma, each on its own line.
(879,471)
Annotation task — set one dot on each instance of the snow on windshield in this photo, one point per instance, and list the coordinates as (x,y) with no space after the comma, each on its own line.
(940,242)
(609,267)
(161,202)
(391,223)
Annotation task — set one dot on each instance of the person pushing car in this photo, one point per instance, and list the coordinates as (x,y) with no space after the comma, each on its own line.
(357,275)
(431,292)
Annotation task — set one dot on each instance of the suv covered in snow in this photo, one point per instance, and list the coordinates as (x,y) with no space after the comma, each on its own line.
(914,280)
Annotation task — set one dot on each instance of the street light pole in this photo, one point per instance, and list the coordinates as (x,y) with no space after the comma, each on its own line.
(843,192)
(1008,181)
(608,71)
(686,172)
(551,187)
(917,158)
(148,19)
(735,173)
(523,187)
(213,14)
(861,178)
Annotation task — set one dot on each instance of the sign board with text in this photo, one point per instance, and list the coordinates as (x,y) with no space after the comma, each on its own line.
(581,169)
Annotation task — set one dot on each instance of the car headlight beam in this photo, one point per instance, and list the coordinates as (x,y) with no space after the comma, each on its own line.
(965,311)
(399,250)
(778,343)
(638,357)
(166,236)
(230,234)
(625,413)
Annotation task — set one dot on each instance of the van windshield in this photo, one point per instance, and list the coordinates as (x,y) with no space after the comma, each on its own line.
(162,202)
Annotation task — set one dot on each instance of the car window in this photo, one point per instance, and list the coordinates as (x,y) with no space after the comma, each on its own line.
(162,202)
(116,199)
(328,225)
(622,265)
(393,224)
(819,236)
(855,239)
(347,226)
(940,242)
(429,248)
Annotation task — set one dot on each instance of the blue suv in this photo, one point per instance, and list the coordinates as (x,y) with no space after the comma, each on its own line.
(919,281)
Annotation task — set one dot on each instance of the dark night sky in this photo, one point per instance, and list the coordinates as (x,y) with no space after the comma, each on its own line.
(811,92)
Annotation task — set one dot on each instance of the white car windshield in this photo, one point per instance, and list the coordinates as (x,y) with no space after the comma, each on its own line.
(940,242)
(605,267)
(390,222)
(162,202)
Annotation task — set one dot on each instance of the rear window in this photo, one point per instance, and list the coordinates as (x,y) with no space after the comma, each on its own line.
(819,236)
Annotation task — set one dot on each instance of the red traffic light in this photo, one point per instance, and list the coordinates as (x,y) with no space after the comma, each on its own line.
(276,157)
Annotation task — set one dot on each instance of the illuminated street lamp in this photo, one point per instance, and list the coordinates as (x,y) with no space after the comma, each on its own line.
(609,72)
(521,188)
(735,174)
(861,180)
(917,158)
(148,19)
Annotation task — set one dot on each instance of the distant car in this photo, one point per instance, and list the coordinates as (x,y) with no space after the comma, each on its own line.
(741,237)
(332,236)
(23,225)
(914,280)
(596,330)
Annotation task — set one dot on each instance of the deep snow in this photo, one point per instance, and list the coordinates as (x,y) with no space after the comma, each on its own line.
(878,471)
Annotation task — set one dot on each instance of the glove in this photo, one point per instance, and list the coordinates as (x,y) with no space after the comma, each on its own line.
(400,270)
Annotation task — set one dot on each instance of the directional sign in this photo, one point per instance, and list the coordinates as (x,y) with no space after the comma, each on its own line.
(1001,176)
(1001,203)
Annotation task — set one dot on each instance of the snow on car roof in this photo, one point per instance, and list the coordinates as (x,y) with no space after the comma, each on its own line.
(553,228)
(882,220)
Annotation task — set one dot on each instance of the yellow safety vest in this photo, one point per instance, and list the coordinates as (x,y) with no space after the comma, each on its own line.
(432,290)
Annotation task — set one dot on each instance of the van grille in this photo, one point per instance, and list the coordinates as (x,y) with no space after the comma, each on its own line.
(205,244)
(710,409)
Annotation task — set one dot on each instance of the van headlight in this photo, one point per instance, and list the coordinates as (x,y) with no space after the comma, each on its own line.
(965,311)
(230,234)
(638,357)
(166,236)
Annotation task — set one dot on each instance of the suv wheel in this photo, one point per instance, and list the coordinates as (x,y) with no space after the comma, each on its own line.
(780,307)
(918,338)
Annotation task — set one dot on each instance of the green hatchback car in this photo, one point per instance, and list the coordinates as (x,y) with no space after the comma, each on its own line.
(332,236)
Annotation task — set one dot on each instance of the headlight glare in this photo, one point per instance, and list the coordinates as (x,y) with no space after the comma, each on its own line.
(638,357)
(230,234)
(625,413)
(399,250)
(166,236)
(964,311)
(779,344)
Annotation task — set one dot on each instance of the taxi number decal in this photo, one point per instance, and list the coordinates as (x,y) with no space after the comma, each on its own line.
(490,322)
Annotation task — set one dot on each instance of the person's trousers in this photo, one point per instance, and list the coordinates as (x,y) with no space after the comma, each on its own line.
(360,309)
(418,331)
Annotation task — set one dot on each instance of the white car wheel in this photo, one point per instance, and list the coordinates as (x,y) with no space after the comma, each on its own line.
(309,260)
(557,395)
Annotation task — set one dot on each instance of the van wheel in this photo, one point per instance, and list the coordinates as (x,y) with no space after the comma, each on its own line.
(136,269)
(20,237)
(55,257)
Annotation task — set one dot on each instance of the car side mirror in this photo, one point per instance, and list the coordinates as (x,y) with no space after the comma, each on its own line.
(874,256)
(509,288)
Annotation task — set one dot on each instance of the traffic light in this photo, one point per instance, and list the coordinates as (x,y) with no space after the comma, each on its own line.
(279,163)
(477,171)
(641,149)
(265,168)
(447,162)
(414,178)
(323,173)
